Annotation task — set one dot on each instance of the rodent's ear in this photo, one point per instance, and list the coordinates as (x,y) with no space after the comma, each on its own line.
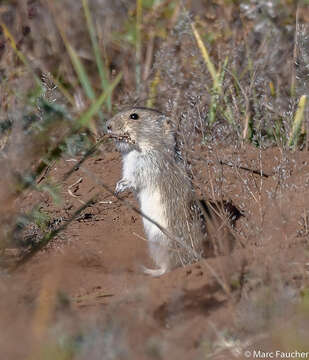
(165,122)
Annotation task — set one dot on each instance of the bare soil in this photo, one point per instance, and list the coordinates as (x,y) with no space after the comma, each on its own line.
(88,282)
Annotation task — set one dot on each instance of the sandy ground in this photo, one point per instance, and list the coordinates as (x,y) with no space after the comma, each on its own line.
(87,284)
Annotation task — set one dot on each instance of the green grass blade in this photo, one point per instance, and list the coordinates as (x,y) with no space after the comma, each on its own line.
(82,76)
(97,53)
(81,72)
(95,107)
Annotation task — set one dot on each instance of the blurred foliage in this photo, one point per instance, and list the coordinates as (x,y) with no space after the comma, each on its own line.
(226,71)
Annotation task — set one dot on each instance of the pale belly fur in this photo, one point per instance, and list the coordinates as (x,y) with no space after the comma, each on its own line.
(149,197)
(151,205)
(129,164)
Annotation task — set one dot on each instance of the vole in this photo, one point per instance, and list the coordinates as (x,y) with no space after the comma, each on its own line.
(160,183)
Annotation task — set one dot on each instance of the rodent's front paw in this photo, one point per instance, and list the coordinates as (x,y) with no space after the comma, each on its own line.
(122,185)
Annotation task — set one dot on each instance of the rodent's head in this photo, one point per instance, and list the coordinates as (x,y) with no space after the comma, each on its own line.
(140,129)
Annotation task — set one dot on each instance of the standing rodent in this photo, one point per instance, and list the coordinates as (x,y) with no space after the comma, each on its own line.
(161,185)
(152,169)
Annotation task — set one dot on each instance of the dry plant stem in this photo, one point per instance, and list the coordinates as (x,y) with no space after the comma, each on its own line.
(138,48)
(206,57)
(256,172)
(293,72)
(149,56)
(175,14)
(247,112)
(49,236)
(235,348)
(297,122)
(259,194)
(235,105)
(258,199)
(201,121)
(221,176)
(166,233)
(245,182)
(90,152)
(246,122)
(211,182)
(224,343)
(63,90)
(71,193)
(221,282)
(46,171)
(153,90)
(224,219)
(248,108)
(225,222)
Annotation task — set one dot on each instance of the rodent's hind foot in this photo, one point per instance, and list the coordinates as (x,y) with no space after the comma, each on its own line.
(154,272)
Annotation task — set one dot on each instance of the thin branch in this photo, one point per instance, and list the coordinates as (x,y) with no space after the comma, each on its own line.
(49,236)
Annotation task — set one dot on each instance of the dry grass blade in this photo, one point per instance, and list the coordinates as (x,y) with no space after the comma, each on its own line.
(153,90)
(210,66)
(138,51)
(216,92)
(297,123)
(19,54)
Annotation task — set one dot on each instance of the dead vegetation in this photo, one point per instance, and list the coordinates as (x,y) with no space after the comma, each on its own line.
(233,77)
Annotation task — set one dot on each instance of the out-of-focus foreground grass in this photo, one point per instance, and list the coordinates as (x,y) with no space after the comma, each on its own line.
(225,71)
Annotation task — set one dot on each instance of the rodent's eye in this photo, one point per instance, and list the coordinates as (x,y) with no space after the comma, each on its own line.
(134,116)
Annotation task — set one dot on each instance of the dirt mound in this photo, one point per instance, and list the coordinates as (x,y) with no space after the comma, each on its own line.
(87,288)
